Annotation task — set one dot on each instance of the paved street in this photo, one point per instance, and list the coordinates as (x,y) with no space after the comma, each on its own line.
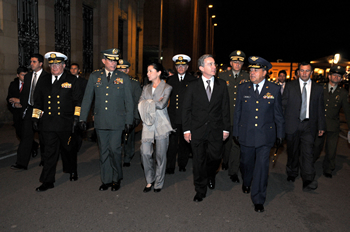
(79,206)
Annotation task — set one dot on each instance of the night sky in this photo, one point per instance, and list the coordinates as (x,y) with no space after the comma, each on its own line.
(286,30)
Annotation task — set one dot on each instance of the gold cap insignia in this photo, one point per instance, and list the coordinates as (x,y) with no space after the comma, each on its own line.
(238,52)
(254,58)
(120,61)
(53,55)
(180,58)
(115,51)
(338,67)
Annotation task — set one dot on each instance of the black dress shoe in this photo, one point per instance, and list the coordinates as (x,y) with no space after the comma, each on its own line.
(41,163)
(259,208)
(104,187)
(126,165)
(234,178)
(290,178)
(328,175)
(182,169)
(169,171)
(211,183)
(115,186)
(245,189)
(198,197)
(157,190)
(224,166)
(309,185)
(73,176)
(18,167)
(44,187)
(147,189)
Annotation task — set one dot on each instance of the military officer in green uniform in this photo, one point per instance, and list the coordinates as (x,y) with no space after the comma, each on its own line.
(113,112)
(129,147)
(335,98)
(231,156)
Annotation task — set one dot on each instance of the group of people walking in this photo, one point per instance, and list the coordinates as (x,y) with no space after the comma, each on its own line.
(232,120)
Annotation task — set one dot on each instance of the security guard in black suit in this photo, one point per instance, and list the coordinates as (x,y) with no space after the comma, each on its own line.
(177,144)
(114,111)
(258,121)
(335,98)
(57,100)
(233,78)
(129,146)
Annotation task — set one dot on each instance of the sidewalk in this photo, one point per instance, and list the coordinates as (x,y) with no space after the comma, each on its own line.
(8,140)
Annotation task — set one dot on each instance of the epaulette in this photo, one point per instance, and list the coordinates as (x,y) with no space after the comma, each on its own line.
(97,70)
(274,82)
(244,81)
(134,79)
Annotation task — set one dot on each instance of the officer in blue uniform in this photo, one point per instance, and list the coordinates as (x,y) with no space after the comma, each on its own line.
(258,120)
(129,146)
(113,112)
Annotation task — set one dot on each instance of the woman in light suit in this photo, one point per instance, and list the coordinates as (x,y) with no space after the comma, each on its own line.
(156,126)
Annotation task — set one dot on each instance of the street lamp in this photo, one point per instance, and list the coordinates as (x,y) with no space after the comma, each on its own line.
(207,36)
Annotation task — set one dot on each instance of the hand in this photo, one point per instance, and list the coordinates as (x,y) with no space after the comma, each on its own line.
(236,139)
(13,100)
(279,142)
(187,137)
(82,125)
(320,132)
(35,126)
(225,135)
(18,105)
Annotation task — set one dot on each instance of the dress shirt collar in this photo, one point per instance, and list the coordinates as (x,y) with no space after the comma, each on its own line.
(58,78)
(334,87)
(261,85)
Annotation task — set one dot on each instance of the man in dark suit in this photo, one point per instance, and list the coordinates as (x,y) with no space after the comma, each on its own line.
(335,98)
(257,122)
(27,144)
(304,114)
(233,78)
(177,144)
(13,99)
(129,147)
(77,135)
(114,111)
(206,124)
(57,105)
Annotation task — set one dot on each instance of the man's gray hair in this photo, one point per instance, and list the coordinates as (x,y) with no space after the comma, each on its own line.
(202,58)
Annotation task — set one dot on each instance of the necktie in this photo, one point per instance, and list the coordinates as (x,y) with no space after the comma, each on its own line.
(208,90)
(257,90)
(236,75)
(331,91)
(20,89)
(55,81)
(109,77)
(32,88)
(303,103)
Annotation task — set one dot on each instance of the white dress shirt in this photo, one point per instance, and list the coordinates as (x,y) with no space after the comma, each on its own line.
(308,89)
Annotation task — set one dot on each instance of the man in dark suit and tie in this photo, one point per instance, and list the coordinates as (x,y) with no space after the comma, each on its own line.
(206,124)
(231,156)
(177,144)
(27,144)
(305,120)
(114,111)
(57,105)
(129,147)
(13,99)
(257,122)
